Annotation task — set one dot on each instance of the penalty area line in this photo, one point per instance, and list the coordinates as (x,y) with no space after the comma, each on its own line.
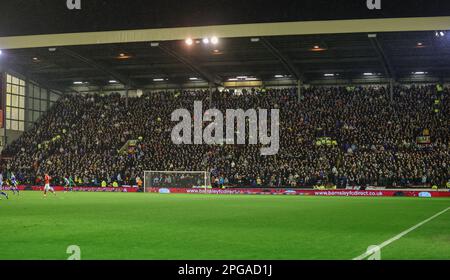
(397,237)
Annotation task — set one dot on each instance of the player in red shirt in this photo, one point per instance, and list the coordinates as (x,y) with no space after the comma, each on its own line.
(47,187)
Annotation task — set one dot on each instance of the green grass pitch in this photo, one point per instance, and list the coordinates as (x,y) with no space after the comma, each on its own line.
(138,226)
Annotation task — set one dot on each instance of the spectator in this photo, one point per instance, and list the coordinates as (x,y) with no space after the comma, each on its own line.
(331,135)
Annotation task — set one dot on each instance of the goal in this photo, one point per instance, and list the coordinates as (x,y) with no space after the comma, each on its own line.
(175,179)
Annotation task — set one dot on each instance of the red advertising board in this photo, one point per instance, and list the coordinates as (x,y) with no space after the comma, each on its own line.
(81,189)
(261,191)
(354,193)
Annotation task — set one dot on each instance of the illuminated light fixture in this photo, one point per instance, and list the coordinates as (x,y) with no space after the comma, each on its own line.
(214,40)
(317,48)
(78,83)
(329,75)
(158,80)
(35,58)
(1,52)
(251,79)
(242,77)
(193,79)
(112,81)
(254,40)
(279,76)
(420,45)
(123,56)
(372,35)
(419,73)
(189,41)
(154,44)
(233,79)
(205,41)
(368,74)
(51,49)
(440,33)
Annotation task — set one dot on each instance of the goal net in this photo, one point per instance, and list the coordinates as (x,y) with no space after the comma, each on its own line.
(175,179)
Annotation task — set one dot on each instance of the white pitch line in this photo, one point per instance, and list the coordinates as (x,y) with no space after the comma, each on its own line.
(400,235)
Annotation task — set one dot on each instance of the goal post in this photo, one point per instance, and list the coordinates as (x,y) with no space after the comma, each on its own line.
(176,179)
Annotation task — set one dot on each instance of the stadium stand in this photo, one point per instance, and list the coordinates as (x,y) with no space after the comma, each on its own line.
(340,135)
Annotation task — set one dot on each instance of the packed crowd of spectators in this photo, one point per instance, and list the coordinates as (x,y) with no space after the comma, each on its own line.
(373,138)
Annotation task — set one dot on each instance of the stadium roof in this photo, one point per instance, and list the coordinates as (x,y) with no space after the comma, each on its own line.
(141,44)
(33,17)
(308,57)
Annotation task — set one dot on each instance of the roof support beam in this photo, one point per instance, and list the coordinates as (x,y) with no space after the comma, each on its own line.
(388,69)
(299,90)
(114,74)
(287,64)
(264,62)
(214,79)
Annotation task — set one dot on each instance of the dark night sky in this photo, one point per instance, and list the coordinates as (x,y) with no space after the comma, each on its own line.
(25,17)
